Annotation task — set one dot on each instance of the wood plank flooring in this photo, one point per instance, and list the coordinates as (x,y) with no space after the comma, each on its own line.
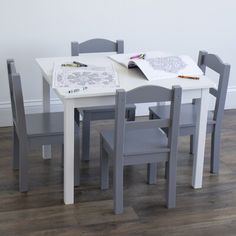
(208,211)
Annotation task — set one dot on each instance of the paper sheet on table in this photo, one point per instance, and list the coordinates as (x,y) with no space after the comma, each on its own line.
(159,65)
(84,78)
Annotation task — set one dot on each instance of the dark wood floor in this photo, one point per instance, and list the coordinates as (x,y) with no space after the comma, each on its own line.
(209,211)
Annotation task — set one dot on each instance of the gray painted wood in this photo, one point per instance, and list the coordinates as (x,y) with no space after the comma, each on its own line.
(15,147)
(33,130)
(188,111)
(129,144)
(97,45)
(103,112)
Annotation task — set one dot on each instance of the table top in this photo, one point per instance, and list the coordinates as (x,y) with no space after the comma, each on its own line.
(128,78)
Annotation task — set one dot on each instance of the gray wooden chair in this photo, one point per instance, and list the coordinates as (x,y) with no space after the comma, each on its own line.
(141,142)
(188,111)
(102,112)
(33,130)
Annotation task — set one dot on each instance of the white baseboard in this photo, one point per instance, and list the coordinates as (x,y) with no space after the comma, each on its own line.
(231,98)
(31,106)
(35,106)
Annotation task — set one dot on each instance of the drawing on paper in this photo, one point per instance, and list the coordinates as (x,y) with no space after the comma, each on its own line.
(84,77)
(171,64)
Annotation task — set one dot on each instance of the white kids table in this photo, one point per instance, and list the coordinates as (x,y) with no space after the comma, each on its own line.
(128,79)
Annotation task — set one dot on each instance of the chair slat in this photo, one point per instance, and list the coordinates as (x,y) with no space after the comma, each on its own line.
(160,123)
(147,94)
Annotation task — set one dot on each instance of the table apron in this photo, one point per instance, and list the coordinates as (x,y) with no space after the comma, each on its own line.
(110,100)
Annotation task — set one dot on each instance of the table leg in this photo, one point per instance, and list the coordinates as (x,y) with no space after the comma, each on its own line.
(68,152)
(46,149)
(198,162)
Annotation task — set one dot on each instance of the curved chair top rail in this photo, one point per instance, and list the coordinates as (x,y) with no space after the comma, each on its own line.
(212,61)
(150,93)
(97,45)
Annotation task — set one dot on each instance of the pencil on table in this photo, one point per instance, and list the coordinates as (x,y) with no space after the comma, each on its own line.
(188,77)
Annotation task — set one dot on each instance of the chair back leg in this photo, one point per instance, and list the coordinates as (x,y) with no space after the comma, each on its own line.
(118,173)
(191,144)
(130,114)
(215,151)
(15,149)
(76,157)
(86,137)
(23,164)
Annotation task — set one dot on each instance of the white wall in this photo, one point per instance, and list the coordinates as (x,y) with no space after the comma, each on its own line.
(43,28)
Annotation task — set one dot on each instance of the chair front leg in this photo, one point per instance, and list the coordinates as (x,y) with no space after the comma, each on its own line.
(15,150)
(152,173)
(86,137)
(104,167)
(171,184)
(118,172)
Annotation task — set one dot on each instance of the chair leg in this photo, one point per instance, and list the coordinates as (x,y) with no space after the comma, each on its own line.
(62,155)
(131,115)
(15,149)
(166,169)
(191,144)
(152,173)
(152,167)
(118,185)
(104,168)
(86,137)
(215,152)
(23,164)
(76,157)
(151,115)
(171,184)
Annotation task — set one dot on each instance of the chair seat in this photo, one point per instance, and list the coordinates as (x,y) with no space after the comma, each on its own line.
(187,114)
(45,124)
(139,142)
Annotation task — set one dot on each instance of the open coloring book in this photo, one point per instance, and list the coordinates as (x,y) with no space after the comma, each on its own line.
(158,65)
(76,79)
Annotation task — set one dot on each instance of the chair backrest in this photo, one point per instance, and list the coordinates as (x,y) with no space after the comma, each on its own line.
(11,70)
(18,106)
(213,62)
(96,46)
(147,94)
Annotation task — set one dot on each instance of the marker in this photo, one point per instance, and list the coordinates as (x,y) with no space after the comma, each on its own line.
(74,64)
(70,65)
(80,64)
(139,56)
(73,90)
(188,77)
(77,90)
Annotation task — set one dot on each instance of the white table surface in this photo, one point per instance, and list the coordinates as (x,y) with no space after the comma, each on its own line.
(128,79)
